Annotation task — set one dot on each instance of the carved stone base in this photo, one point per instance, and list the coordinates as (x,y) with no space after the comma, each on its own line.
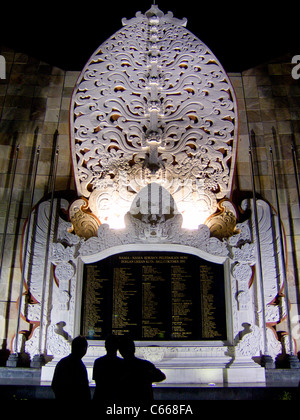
(16,360)
(38,361)
(13,361)
(191,375)
(244,370)
(293,361)
(184,366)
(267,362)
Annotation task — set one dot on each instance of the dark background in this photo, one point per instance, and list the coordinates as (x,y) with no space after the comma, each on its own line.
(65,34)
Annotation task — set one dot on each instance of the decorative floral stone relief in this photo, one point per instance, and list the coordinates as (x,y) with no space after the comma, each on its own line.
(153,104)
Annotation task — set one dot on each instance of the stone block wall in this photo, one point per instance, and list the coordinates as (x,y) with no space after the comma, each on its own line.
(34,103)
(269,107)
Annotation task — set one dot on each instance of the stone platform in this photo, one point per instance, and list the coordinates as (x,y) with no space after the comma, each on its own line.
(168,393)
(281,384)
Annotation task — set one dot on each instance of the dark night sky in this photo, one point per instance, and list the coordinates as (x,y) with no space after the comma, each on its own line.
(65,34)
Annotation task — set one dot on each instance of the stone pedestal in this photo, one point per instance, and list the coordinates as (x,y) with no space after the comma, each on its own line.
(244,370)
(13,361)
(38,361)
(293,361)
(267,362)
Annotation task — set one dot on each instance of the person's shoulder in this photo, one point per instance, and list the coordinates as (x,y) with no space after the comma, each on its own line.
(107,360)
(144,362)
(64,360)
(100,359)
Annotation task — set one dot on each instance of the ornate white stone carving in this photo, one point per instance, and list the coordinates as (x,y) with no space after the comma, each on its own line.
(271,262)
(84,223)
(251,343)
(153,104)
(157,232)
(154,354)
(65,270)
(242,273)
(163,229)
(57,344)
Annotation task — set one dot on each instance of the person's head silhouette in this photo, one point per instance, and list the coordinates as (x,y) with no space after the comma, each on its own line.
(127,347)
(111,344)
(79,346)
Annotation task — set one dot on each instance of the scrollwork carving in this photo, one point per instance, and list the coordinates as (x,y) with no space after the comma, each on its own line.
(223,224)
(153,102)
(153,354)
(84,222)
(160,231)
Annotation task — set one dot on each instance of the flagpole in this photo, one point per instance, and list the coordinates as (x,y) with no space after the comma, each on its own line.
(286,294)
(12,181)
(267,360)
(294,155)
(13,174)
(46,261)
(24,257)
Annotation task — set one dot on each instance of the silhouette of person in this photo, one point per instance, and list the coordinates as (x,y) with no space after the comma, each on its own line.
(70,380)
(107,372)
(138,374)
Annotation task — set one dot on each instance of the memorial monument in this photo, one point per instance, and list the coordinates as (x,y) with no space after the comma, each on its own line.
(154,245)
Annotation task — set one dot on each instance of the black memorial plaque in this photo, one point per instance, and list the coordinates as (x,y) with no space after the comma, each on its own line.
(154,296)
